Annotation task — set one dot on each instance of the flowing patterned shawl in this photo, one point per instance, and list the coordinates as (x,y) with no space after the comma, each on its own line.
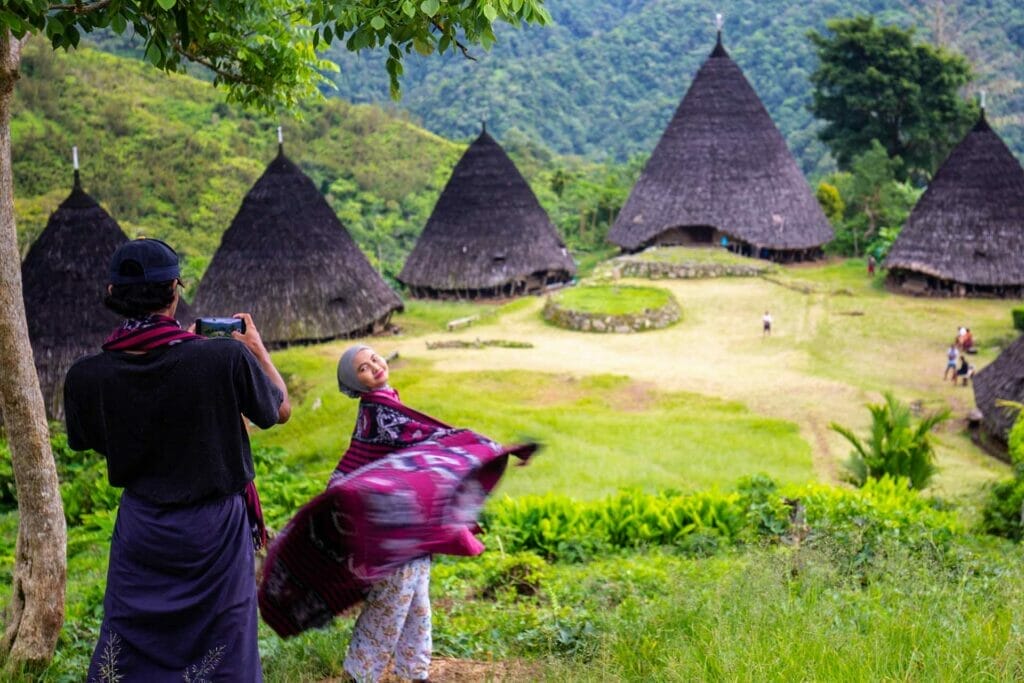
(408,486)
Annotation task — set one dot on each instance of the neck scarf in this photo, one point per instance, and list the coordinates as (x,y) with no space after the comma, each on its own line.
(146,334)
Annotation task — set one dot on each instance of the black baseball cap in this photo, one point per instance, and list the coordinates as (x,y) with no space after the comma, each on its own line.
(143,260)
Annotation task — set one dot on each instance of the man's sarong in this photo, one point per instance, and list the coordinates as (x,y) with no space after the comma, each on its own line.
(410,503)
(180,603)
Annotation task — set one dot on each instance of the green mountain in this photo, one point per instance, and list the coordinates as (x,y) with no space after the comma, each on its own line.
(168,158)
(604,80)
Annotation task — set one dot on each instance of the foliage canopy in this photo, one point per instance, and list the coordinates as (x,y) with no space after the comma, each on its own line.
(876,83)
(265,51)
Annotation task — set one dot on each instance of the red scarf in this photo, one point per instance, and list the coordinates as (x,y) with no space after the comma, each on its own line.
(156,331)
(146,334)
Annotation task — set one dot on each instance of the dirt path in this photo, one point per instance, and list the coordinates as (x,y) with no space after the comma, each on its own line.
(447,670)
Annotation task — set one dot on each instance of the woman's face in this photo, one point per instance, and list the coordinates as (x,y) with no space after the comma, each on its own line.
(371,369)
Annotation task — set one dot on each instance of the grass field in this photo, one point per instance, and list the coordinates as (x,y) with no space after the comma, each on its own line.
(678,405)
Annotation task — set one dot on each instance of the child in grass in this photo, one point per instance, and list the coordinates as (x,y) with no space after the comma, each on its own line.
(408,486)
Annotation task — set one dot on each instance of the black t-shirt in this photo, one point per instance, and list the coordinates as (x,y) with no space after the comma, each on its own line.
(169,421)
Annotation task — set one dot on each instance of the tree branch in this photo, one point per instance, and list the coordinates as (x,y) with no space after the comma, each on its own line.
(228,76)
(79,8)
(455,41)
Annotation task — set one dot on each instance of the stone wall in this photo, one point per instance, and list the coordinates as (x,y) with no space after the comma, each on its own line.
(652,270)
(649,319)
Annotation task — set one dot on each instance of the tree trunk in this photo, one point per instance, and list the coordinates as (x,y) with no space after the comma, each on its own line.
(36,611)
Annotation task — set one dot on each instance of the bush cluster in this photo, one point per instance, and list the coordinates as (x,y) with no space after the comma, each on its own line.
(1018,318)
(560,528)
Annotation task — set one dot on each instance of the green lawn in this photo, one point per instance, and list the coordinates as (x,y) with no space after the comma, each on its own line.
(612,299)
(601,432)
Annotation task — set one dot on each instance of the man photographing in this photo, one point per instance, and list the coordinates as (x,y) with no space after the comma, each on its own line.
(163,406)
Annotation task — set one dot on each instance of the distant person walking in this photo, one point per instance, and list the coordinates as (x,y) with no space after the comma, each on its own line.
(871,265)
(951,356)
(766,324)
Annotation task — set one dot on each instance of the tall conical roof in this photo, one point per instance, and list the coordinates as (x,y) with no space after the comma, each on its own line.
(64,280)
(721,162)
(1003,379)
(288,260)
(487,230)
(968,226)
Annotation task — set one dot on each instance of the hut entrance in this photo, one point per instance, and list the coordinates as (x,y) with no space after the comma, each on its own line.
(777,255)
(919,284)
(534,283)
(687,236)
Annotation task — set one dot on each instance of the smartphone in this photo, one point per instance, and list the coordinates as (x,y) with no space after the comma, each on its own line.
(219,327)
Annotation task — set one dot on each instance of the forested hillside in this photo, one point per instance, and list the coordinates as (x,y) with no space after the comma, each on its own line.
(605,78)
(168,158)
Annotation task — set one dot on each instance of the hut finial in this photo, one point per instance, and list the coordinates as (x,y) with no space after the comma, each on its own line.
(983,102)
(74,164)
(483,126)
(719,51)
(280,140)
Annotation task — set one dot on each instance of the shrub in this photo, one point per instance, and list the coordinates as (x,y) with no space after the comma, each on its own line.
(8,493)
(896,446)
(85,489)
(1001,515)
(1018,318)
(519,574)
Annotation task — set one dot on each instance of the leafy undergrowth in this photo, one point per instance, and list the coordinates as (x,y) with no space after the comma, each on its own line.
(805,582)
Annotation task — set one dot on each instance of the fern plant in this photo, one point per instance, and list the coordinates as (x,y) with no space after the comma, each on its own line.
(898,445)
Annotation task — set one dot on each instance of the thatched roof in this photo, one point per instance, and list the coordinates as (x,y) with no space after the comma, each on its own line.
(968,226)
(64,279)
(721,162)
(1003,378)
(288,260)
(487,230)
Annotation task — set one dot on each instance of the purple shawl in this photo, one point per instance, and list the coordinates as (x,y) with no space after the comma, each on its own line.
(408,486)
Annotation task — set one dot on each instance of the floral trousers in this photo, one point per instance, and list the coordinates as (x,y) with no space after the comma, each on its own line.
(395,621)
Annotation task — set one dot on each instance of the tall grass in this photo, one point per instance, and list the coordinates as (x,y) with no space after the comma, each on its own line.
(793,616)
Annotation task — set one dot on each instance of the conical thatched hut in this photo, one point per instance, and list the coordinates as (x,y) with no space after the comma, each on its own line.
(722,169)
(1002,379)
(64,279)
(965,237)
(288,260)
(488,235)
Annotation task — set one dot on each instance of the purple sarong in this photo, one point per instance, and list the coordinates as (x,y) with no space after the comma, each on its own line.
(180,603)
(393,508)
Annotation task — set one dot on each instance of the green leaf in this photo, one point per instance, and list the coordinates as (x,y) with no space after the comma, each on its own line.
(118,24)
(490,12)
(409,8)
(377,22)
(154,54)
(430,7)
(166,4)
(422,46)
